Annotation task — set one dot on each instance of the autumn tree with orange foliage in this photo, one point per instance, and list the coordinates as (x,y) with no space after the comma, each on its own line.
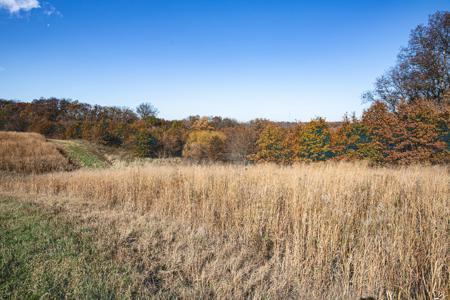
(425,132)
(417,132)
(271,145)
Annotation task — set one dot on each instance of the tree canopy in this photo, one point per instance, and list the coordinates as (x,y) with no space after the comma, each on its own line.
(422,69)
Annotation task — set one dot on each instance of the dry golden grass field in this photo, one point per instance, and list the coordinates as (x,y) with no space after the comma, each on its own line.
(29,153)
(318,231)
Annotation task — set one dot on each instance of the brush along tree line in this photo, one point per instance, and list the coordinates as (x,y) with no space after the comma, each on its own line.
(408,120)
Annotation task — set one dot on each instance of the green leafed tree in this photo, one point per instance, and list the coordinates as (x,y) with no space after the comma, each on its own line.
(351,140)
(271,145)
(313,142)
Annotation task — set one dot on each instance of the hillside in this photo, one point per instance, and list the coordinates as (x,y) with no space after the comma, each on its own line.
(82,153)
(30,153)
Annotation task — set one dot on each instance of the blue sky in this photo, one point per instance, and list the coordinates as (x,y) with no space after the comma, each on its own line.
(283,60)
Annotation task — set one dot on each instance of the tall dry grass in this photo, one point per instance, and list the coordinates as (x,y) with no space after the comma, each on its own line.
(314,231)
(29,153)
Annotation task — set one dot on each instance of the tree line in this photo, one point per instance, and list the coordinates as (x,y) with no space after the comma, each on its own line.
(415,132)
(408,120)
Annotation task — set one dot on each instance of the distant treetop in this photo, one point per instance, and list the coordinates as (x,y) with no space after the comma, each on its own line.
(146,110)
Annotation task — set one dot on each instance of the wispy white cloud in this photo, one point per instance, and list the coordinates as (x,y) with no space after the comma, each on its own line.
(50,10)
(15,6)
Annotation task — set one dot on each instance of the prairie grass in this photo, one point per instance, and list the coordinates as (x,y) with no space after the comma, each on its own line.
(335,230)
(30,153)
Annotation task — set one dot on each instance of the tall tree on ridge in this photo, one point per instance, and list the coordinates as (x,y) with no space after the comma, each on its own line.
(146,110)
(422,70)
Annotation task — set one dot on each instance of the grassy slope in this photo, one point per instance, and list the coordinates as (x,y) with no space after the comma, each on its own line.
(25,152)
(82,153)
(44,257)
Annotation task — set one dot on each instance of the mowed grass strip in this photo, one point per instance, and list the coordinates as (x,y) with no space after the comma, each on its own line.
(78,152)
(43,258)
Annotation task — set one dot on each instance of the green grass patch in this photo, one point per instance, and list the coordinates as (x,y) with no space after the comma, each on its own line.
(44,258)
(81,154)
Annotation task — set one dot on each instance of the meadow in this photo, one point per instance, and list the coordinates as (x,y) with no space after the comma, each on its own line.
(115,201)
(316,231)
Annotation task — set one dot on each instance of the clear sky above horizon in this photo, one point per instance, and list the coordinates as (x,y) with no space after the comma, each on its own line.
(282,60)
